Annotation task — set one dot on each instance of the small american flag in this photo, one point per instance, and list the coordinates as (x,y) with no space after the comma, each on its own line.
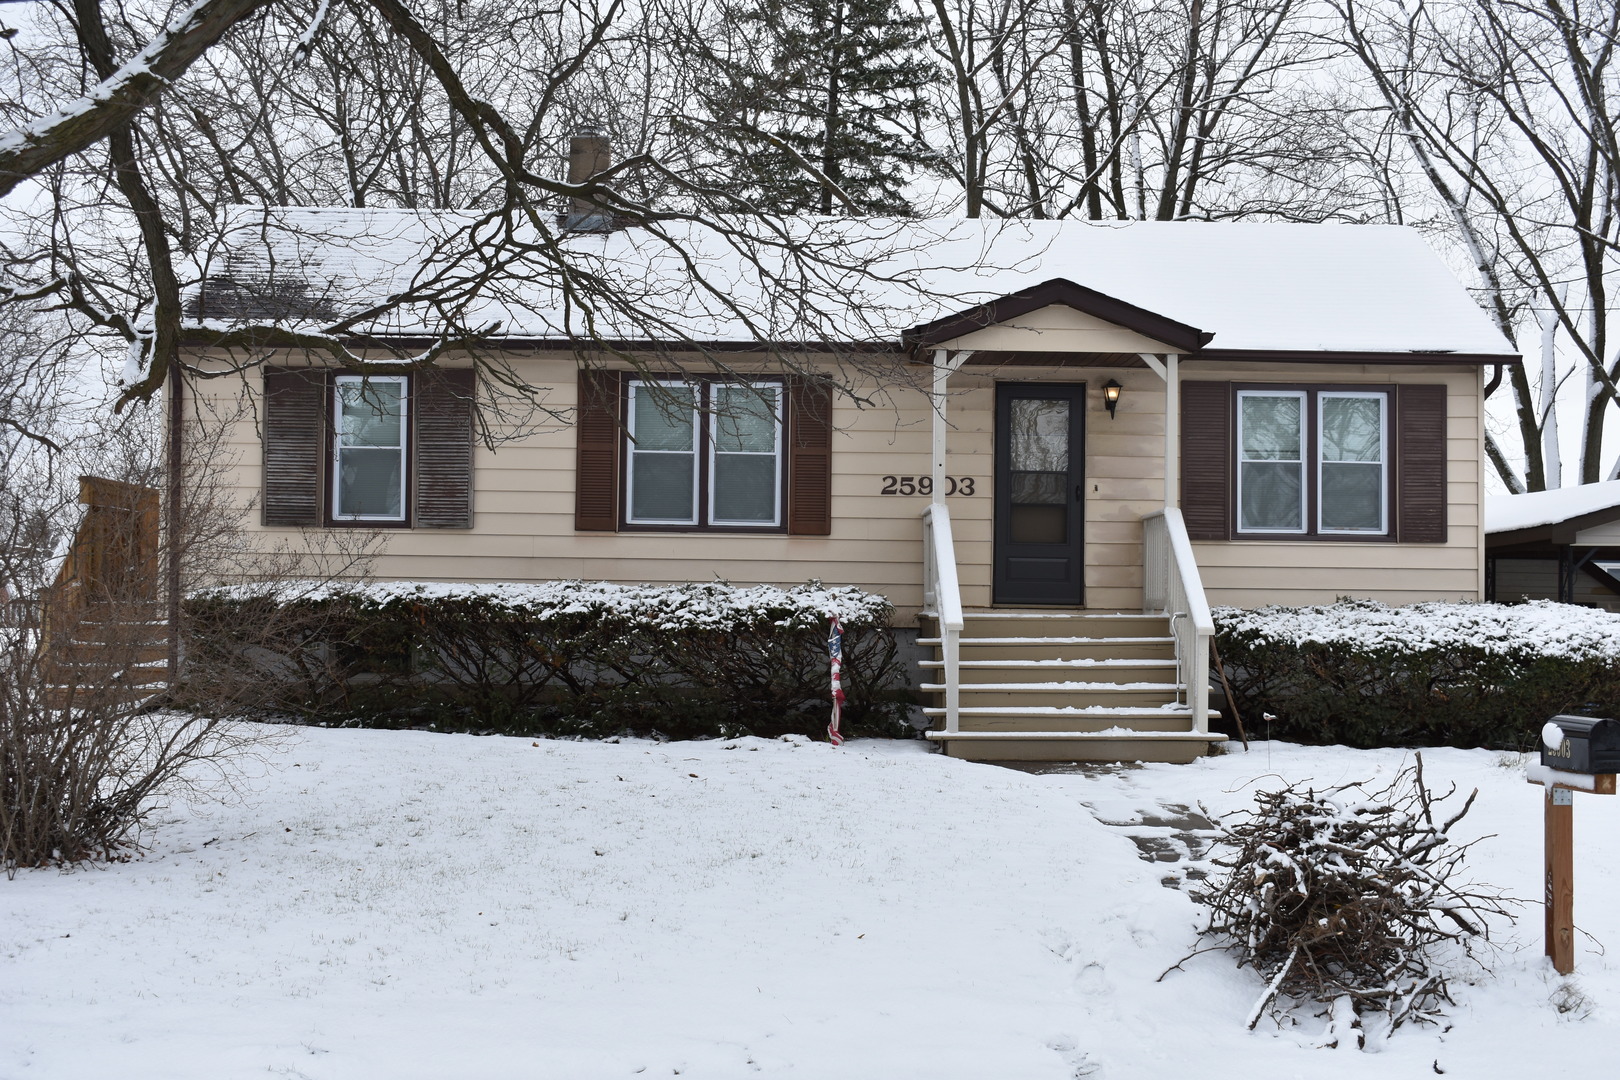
(835,651)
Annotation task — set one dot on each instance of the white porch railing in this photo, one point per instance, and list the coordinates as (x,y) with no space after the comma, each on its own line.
(943,596)
(1170,583)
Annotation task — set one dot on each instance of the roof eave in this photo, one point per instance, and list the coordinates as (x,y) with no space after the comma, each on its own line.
(1330,356)
(200,338)
(1553,532)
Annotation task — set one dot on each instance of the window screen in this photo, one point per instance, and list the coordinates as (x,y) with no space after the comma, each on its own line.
(1271,461)
(1351,491)
(746,454)
(369,470)
(663,453)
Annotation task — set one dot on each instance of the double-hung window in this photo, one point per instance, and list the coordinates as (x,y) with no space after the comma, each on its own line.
(1352,467)
(369,448)
(1313,462)
(704,455)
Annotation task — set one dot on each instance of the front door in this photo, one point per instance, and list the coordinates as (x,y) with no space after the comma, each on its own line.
(1040,447)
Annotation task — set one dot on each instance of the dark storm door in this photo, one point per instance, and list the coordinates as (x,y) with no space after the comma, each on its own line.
(1040,490)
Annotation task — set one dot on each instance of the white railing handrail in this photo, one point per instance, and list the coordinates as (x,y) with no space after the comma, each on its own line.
(943,592)
(1172,584)
(947,592)
(1186,567)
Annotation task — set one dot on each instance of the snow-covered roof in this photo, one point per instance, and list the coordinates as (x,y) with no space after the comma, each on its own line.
(1256,286)
(1510,513)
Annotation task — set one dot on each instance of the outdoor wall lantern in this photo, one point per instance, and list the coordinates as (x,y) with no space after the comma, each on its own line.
(1111,390)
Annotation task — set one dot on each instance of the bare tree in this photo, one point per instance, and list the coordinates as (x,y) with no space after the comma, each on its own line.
(35,394)
(87,752)
(396,104)
(1507,112)
(1105,109)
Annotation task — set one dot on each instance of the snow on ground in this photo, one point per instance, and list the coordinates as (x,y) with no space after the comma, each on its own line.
(404,904)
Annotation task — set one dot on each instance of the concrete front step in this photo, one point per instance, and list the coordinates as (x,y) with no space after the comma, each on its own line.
(1043,624)
(1003,721)
(1063,648)
(1175,747)
(980,672)
(1065,686)
(1055,624)
(1121,714)
(1076,694)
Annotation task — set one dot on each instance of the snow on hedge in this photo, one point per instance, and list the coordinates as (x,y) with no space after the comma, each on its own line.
(1539,626)
(688,606)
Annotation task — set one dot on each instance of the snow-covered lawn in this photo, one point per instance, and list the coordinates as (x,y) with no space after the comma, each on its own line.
(401,904)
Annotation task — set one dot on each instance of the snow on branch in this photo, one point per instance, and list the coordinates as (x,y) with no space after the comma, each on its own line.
(114,102)
(714,604)
(1350,900)
(1542,627)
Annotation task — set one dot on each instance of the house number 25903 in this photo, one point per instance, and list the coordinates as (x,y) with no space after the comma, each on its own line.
(924,485)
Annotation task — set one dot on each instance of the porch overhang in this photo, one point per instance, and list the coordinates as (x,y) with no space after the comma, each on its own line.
(1059,323)
(1060,320)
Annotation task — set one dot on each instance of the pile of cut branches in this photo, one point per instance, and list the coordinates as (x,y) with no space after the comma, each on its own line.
(1349,899)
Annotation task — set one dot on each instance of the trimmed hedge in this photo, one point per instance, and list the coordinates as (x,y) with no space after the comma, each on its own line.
(561,658)
(1435,674)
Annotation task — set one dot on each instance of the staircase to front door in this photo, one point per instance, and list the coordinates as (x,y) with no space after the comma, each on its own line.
(1068,685)
(1062,686)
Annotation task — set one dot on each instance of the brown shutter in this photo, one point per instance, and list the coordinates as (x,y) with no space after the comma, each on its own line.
(1420,464)
(294,445)
(596,468)
(809,458)
(1206,459)
(443,462)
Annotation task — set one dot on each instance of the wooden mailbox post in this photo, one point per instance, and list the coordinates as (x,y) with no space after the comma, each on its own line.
(1578,753)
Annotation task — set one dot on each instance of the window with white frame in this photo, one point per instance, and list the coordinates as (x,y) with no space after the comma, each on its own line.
(705,454)
(1271,461)
(369,448)
(1352,466)
(1313,462)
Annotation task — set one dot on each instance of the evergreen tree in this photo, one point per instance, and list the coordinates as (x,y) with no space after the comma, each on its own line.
(821,103)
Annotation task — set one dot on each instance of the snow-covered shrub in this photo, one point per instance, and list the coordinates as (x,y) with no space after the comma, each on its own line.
(566,657)
(1349,901)
(1462,674)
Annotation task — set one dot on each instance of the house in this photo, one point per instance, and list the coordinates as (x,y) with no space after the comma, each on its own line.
(1053,443)
(1562,545)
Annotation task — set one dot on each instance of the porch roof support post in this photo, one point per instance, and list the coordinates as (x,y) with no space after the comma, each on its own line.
(1172,431)
(1168,368)
(946,364)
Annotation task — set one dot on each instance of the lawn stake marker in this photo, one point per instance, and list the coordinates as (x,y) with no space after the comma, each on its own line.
(1578,753)
(835,653)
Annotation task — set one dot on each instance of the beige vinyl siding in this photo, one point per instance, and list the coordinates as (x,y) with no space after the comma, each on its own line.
(523,509)
(523,506)
(1607,535)
(1057,328)
(1251,573)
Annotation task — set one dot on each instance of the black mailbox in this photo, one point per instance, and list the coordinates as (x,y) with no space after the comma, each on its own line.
(1586,744)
